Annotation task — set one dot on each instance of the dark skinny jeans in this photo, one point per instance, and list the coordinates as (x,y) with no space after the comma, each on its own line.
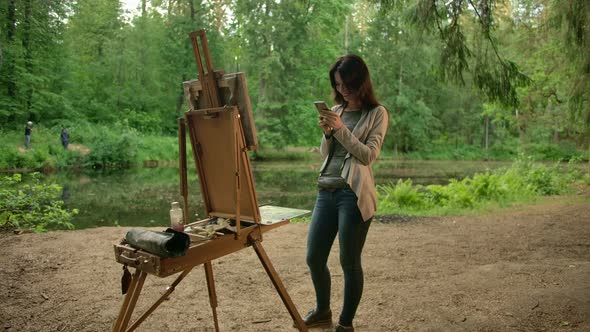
(337,213)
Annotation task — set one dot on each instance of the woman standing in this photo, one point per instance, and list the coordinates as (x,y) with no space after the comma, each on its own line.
(354,130)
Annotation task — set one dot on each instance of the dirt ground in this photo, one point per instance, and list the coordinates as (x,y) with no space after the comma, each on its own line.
(521,269)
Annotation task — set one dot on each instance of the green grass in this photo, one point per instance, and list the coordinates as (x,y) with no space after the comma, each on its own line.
(523,182)
(99,146)
(507,151)
(91,146)
(160,148)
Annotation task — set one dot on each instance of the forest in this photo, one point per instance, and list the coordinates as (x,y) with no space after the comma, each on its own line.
(461,78)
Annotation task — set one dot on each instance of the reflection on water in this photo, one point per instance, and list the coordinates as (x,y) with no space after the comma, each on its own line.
(142,196)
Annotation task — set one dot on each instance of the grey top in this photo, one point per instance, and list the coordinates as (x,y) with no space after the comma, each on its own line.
(330,178)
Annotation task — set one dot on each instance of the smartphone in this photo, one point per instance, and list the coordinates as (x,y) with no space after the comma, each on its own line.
(321,106)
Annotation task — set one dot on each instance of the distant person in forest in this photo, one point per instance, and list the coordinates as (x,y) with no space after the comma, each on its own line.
(65,137)
(28,129)
(353,133)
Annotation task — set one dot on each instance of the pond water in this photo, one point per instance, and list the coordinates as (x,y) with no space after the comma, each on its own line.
(142,196)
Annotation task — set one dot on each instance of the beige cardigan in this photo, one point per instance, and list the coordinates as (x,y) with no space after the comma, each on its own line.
(363,145)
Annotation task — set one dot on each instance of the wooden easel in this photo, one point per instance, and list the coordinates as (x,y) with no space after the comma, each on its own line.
(220,144)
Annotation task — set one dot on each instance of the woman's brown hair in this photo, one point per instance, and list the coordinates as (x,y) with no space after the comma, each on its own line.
(355,76)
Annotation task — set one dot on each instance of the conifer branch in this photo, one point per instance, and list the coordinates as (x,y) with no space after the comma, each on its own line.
(487,33)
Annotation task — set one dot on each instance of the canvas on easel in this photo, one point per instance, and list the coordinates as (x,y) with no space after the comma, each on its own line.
(224,169)
(233,91)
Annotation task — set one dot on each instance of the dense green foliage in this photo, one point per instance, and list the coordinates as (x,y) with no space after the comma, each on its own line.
(506,84)
(523,181)
(32,205)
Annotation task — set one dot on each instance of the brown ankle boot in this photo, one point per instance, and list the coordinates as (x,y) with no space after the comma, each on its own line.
(318,319)
(341,328)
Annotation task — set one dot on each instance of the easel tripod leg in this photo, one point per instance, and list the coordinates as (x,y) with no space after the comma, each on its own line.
(164,296)
(276,281)
(130,301)
(211,290)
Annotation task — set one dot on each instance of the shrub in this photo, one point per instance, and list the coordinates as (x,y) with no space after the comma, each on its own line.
(32,205)
(460,194)
(161,148)
(437,195)
(402,195)
(542,179)
(524,180)
(111,150)
(505,151)
(564,150)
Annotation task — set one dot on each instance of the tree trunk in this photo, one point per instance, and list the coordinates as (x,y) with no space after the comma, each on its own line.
(487,130)
(10,33)
(180,99)
(346,35)
(27,26)
(142,57)
(193,12)
(218,14)
(520,122)
(11,20)
(399,88)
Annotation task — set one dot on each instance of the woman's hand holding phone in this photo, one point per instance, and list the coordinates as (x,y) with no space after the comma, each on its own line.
(328,120)
(323,109)
(321,106)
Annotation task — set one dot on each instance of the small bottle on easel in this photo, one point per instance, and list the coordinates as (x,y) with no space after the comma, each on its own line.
(176,220)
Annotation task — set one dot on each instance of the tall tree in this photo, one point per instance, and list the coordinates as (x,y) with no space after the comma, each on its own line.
(575,15)
(93,29)
(30,86)
(288,48)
